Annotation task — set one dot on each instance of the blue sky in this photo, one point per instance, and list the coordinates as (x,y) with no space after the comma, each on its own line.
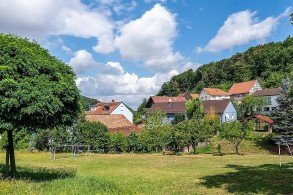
(126,49)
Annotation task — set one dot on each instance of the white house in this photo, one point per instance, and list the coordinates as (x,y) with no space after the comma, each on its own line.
(111,108)
(238,90)
(213,94)
(223,108)
(271,96)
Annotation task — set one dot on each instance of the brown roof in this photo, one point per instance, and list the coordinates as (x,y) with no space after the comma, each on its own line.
(267,92)
(166,107)
(218,106)
(99,108)
(161,99)
(194,95)
(216,91)
(241,88)
(115,123)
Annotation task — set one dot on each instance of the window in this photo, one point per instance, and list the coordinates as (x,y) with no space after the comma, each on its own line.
(274,108)
(266,109)
(269,101)
(106,107)
(227,116)
(232,117)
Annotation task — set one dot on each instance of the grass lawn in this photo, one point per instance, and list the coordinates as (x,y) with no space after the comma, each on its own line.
(149,174)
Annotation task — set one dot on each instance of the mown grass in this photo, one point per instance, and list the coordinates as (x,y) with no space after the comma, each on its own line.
(149,174)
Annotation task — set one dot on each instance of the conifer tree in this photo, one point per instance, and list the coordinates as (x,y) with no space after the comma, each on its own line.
(283,115)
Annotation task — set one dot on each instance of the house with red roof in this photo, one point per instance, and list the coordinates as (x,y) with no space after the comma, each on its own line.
(213,94)
(239,90)
(115,115)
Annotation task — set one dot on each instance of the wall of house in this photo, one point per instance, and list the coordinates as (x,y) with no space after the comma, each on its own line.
(204,96)
(255,87)
(230,114)
(168,118)
(122,109)
(270,106)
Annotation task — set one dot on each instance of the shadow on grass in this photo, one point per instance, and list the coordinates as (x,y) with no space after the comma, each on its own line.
(264,179)
(40,174)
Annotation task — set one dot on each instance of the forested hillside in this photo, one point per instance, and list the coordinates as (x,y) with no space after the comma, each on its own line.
(86,102)
(268,63)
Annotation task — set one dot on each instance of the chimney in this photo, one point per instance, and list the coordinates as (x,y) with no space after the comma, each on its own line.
(113,101)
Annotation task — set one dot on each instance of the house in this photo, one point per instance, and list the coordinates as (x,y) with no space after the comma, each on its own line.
(110,108)
(169,108)
(115,123)
(270,96)
(223,108)
(115,115)
(238,90)
(213,94)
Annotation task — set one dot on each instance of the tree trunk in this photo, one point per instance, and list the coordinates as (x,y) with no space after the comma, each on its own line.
(237,148)
(10,158)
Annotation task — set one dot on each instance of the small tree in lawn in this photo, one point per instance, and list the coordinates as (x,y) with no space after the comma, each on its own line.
(235,132)
(283,115)
(37,91)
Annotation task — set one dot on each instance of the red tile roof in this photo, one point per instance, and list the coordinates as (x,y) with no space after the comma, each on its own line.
(115,123)
(267,92)
(99,108)
(218,106)
(265,118)
(216,91)
(241,88)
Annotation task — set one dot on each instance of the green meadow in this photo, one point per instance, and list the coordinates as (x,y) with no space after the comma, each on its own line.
(149,174)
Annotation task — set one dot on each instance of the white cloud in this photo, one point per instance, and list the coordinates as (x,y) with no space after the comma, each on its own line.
(241,28)
(38,19)
(112,82)
(83,61)
(150,39)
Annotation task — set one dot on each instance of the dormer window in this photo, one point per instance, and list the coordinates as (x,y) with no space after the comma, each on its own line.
(106,108)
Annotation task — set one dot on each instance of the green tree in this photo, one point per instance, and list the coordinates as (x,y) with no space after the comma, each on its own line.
(118,142)
(156,132)
(86,102)
(133,143)
(178,118)
(235,132)
(194,109)
(283,115)
(37,91)
(94,134)
(250,105)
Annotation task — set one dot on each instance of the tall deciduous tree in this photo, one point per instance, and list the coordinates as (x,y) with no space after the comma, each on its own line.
(37,90)
(283,115)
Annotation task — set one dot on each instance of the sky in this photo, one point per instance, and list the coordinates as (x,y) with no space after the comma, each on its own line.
(125,50)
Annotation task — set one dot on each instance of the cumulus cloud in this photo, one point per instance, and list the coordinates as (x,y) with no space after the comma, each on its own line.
(241,28)
(83,61)
(150,39)
(112,82)
(38,19)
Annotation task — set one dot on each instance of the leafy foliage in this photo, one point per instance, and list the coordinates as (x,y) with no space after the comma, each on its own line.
(235,132)
(249,106)
(36,89)
(268,63)
(86,102)
(194,109)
